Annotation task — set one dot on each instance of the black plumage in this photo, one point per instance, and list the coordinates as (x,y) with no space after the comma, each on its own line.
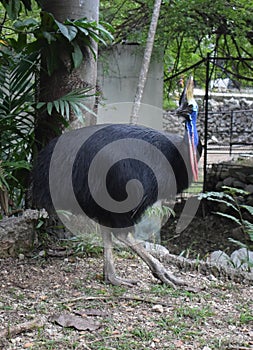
(63,179)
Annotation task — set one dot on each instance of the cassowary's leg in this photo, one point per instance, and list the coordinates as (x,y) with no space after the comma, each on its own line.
(109,269)
(155,265)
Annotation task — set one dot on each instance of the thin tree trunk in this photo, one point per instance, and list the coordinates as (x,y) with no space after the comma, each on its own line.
(145,63)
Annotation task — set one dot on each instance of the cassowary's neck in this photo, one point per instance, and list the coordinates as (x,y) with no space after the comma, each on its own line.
(191,137)
(191,124)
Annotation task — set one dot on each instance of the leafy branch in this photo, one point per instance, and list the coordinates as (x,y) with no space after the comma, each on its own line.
(68,102)
(71,37)
(230,198)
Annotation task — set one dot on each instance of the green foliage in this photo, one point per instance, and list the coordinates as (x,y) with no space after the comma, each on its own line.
(17,83)
(67,102)
(160,211)
(25,39)
(188,30)
(72,36)
(49,36)
(14,7)
(230,199)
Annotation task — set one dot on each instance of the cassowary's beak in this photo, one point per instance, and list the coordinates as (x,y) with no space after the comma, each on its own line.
(185,105)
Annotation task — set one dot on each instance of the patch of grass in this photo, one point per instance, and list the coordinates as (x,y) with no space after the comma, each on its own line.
(143,334)
(246,317)
(197,314)
(162,289)
(116,291)
(186,321)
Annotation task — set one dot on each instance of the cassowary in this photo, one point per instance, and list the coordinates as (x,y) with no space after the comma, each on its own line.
(113,173)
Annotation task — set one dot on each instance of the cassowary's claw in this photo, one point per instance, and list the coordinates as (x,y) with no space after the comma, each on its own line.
(168,278)
(117,281)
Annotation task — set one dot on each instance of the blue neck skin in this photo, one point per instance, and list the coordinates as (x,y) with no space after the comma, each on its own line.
(191,124)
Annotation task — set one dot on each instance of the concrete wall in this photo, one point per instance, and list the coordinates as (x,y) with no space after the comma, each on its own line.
(118,73)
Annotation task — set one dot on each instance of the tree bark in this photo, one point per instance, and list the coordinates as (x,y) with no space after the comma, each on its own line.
(65,79)
(145,63)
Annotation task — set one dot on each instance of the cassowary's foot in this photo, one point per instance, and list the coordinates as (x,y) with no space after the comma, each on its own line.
(117,281)
(156,267)
(168,278)
(110,276)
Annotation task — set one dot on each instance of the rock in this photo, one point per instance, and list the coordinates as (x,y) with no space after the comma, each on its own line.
(250,179)
(158,308)
(218,257)
(238,184)
(249,200)
(241,176)
(242,258)
(219,185)
(18,234)
(249,188)
(228,181)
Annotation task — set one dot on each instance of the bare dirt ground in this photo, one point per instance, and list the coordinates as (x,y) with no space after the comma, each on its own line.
(35,291)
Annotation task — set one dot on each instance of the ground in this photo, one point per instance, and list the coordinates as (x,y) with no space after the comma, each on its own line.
(205,234)
(35,290)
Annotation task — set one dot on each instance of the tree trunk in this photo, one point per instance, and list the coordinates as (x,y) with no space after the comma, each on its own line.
(64,79)
(145,63)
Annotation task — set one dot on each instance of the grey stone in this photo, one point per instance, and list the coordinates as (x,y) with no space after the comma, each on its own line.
(241,176)
(243,259)
(238,184)
(18,234)
(249,188)
(219,185)
(249,200)
(219,257)
(250,179)
(228,181)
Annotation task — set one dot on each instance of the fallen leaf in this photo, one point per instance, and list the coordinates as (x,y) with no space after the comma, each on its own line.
(79,323)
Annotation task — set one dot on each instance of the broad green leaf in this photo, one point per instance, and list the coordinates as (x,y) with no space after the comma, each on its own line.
(68,31)
(56,105)
(67,110)
(84,31)
(24,24)
(12,7)
(62,107)
(40,105)
(49,108)
(77,55)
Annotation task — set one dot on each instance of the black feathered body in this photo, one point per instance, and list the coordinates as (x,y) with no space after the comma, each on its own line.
(80,147)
